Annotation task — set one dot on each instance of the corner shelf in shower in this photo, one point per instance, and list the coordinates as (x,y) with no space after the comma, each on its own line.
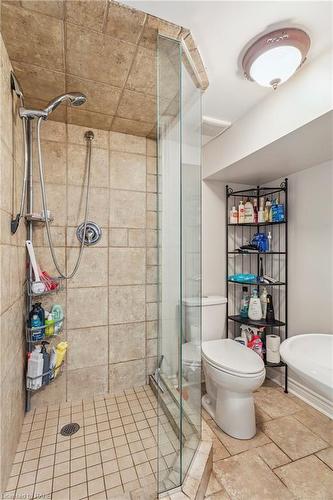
(30,331)
(275,264)
(56,371)
(56,280)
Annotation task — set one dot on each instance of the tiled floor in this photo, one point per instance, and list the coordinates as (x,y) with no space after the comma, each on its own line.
(113,455)
(291,457)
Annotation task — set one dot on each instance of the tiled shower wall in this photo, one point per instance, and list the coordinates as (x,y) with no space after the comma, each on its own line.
(12,276)
(111,304)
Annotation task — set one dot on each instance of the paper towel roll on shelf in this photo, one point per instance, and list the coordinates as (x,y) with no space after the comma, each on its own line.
(273,348)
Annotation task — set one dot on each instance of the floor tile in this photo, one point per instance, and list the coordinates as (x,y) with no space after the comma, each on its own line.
(308,479)
(246,476)
(326,456)
(317,422)
(272,455)
(238,445)
(292,437)
(274,402)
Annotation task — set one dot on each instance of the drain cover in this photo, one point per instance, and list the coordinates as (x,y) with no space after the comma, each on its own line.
(69,429)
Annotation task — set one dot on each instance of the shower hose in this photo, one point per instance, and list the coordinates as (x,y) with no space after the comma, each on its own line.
(44,204)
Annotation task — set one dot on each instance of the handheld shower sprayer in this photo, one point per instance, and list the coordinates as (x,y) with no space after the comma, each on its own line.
(74,99)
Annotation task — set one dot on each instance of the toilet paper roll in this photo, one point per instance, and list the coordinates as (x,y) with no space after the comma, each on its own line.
(272,356)
(273,342)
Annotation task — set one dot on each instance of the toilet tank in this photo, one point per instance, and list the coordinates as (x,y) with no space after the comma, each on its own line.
(213,318)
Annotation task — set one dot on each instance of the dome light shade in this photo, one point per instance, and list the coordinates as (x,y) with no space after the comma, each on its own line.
(275,57)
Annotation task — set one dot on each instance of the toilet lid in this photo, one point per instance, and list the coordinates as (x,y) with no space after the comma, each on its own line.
(232,356)
(191,353)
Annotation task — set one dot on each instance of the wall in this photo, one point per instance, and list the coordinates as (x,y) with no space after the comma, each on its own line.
(110,305)
(12,255)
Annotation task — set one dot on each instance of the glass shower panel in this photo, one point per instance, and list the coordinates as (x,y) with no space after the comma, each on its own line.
(191,263)
(170,285)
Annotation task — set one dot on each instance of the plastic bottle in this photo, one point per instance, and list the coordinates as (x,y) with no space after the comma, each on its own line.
(249,212)
(255,211)
(35,369)
(233,215)
(261,213)
(46,364)
(268,215)
(53,359)
(37,319)
(269,239)
(49,326)
(241,213)
(263,302)
(60,354)
(57,315)
(255,312)
(244,308)
(270,318)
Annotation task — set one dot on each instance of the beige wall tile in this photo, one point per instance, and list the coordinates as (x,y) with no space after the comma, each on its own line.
(88,347)
(151,275)
(127,143)
(136,238)
(6,175)
(56,201)
(151,238)
(151,347)
(151,183)
(137,106)
(83,383)
(142,77)
(76,136)
(55,163)
(83,117)
(151,166)
(127,209)
(77,166)
(152,256)
(133,127)
(45,35)
(152,329)
(52,394)
(127,266)
(58,235)
(95,55)
(151,220)
(151,293)
(46,84)
(125,375)
(126,304)
(151,147)
(87,14)
(151,201)
(6,114)
(92,270)
(54,131)
(98,205)
(127,171)
(100,97)
(54,8)
(151,311)
(151,365)
(125,23)
(126,342)
(87,307)
(118,237)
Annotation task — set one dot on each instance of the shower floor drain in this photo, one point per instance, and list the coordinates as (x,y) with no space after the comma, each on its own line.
(69,429)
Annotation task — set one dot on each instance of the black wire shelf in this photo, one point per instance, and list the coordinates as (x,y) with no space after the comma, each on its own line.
(244,252)
(256,224)
(256,283)
(274,365)
(260,323)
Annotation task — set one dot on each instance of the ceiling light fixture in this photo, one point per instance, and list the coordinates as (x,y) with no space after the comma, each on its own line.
(276,56)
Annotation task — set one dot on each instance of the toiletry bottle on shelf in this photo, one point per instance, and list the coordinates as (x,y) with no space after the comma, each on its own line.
(36,324)
(46,363)
(268,215)
(255,312)
(233,215)
(255,211)
(49,325)
(57,315)
(270,318)
(35,369)
(244,308)
(263,301)
(269,239)
(61,351)
(261,213)
(53,359)
(261,270)
(249,212)
(241,213)
(244,332)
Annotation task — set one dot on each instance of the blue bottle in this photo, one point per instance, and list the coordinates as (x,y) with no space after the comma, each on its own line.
(36,320)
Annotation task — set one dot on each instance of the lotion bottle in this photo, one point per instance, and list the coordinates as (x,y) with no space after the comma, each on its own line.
(261,213)
(249,212)
(233,215)
(255,312)
(263,301)
(241,213)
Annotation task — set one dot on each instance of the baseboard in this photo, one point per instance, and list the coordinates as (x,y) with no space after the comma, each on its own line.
(304,393)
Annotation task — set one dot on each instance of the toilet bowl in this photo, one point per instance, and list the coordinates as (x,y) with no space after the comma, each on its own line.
(232,372)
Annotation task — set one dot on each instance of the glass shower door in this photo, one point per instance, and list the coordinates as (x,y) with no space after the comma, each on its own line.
(179,223)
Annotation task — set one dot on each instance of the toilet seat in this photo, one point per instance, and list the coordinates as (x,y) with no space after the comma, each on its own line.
(229,356)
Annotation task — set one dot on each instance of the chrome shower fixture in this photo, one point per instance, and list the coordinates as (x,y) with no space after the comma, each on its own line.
(74,99)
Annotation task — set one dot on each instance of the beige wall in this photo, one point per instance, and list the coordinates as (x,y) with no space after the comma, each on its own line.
(110,305)
(12,255)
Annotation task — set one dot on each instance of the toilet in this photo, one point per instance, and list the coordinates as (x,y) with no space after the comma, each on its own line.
(232,372)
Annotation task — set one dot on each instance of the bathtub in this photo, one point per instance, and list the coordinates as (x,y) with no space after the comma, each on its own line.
(310,356)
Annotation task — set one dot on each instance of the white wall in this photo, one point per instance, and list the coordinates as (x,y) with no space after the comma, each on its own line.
(310,256)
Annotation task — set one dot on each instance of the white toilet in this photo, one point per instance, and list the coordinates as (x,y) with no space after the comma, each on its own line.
(232,372)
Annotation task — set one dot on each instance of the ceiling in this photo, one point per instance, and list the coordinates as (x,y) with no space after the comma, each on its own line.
(222,29)
(98,47)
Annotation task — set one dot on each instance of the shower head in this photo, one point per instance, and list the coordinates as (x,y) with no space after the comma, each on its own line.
(74,99)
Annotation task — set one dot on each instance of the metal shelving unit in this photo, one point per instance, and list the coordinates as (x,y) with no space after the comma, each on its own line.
(275,264)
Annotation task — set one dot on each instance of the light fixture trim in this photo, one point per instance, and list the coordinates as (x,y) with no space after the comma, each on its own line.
(292,37)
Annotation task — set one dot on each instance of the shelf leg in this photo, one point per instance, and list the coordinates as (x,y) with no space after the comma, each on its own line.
(286,379)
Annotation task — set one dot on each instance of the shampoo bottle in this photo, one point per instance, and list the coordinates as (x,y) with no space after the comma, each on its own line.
(270,318)
(255,211)
(249,212)
(268,215)
(49,325)
(46,363)
(35,369)
(255,312)
(241,213)
(244,309)
(233,215)
(261,213)
(61,351)
(57,315)
(263,301)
